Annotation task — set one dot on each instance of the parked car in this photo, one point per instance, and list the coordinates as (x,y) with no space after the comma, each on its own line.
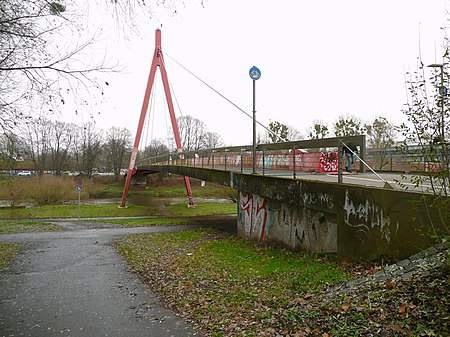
(25,173)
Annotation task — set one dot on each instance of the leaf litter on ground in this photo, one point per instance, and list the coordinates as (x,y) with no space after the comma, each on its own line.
(229,287)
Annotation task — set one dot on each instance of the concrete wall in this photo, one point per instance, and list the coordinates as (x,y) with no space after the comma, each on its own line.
(293,226)
(356,222)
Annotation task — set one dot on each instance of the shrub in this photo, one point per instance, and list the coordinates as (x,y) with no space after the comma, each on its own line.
(50,190)
(15,193)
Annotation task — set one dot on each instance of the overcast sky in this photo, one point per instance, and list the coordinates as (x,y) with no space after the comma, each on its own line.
(318,59)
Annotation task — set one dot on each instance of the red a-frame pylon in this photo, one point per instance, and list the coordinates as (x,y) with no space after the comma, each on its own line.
(158,61)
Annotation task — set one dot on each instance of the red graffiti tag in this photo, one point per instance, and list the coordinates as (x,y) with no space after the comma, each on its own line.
(328,162)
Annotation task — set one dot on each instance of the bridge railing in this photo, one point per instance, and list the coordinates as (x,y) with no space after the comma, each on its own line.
(315,155)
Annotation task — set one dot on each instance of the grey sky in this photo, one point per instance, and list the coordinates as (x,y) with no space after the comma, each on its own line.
(319,60)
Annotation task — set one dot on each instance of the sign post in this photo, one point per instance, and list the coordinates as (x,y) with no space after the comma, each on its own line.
(79,189)
(255,74)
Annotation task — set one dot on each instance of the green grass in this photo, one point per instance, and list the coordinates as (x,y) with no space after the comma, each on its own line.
(71,211)
(218,281)
(230,287)
(7,253)
(106,191)
(202,208)
(209,190)
(8,227)
(145,222)
(112,210)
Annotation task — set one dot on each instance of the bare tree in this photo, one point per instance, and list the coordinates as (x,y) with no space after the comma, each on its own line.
(87,148)
(60,143)
(282,133)
(212,140)
(34,64)
(42,46)
(318,130)
(380,136)
(11,150)
(155,148)
(192,132)
(37,135)
(118,143)
(427,135)
(279,132)
(348,126)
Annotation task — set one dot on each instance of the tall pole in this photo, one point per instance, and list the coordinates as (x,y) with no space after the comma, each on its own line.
(157,62)
(255,74)
(254,126)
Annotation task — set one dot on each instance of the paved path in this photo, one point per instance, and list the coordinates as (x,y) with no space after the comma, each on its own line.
(73,283)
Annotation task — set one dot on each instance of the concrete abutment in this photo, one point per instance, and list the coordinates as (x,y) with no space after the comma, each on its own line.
(355,222)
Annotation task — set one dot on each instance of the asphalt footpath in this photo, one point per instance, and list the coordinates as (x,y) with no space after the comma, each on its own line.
(73,283)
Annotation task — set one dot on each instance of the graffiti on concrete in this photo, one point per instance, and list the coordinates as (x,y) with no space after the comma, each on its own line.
(279,161)
(253,212)
(304,162)
(323,199)
(329,162)
(370,220)
(294,226)
(305,228)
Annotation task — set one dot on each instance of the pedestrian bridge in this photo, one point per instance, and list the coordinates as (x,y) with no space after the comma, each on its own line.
(300,209)
(280,201)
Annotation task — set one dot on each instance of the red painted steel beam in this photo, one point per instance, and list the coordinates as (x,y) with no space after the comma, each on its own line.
(158,61)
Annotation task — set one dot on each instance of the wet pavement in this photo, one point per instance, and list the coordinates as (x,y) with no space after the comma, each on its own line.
(73,283)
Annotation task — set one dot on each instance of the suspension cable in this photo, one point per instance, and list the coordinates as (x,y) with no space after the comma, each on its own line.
(225,98)
(155,88)
(386,183)
(176,99)
(165,107)
(166,116)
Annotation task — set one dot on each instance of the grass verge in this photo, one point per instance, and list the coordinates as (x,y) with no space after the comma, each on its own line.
(111,210)
(7,253)
(145,222)
(71,211)
(205,208)
(8,227)
(172,191)
(226,286)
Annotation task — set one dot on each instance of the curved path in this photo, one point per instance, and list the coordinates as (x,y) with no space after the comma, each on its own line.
(73,283)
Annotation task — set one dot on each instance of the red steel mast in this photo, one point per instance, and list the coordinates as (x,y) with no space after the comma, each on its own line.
(158,61)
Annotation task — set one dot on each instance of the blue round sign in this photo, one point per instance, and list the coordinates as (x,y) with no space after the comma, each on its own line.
(443,90)
(254,73)
(79,188)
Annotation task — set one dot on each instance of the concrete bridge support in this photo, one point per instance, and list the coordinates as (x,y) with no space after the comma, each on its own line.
(355,222)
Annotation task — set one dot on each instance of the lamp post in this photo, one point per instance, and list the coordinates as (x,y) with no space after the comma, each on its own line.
(255,74)
(443,94)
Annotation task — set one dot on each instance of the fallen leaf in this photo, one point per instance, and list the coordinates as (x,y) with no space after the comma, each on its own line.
(298,301)
(325,334)
(306,296)
(403,309)
(389,284)
(345,307)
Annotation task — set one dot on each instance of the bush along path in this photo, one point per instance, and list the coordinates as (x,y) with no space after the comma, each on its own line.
(228,287)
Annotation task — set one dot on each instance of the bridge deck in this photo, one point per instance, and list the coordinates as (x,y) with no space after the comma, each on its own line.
(397,181)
